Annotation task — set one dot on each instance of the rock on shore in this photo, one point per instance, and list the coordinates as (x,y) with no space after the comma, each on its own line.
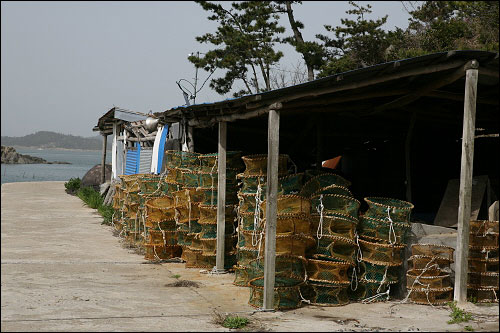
(10,156)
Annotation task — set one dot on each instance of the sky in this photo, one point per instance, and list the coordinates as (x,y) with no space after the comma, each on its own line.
(65,64)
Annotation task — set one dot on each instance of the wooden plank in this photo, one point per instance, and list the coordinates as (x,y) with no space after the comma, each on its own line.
(103,163)
(407,155)
(464,208)
(271,208)
(221,197)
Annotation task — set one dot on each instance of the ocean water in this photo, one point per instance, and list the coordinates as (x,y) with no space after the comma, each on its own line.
(81,162)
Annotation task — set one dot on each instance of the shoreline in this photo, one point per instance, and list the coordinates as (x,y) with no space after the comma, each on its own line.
(60,149)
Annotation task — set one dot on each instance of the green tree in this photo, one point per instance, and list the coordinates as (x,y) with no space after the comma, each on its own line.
(357,43)
(244,45)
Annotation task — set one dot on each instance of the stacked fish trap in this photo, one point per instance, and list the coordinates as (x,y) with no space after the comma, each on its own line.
(482,284)
(118,212)
(131,202)
(382,232)
(292,242)
(428,282)
(250,195)
(333,225)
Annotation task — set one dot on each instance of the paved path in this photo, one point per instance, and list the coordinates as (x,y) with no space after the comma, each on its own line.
(61,270)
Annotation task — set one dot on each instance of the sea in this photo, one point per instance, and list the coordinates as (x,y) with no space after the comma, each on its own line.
(81,162)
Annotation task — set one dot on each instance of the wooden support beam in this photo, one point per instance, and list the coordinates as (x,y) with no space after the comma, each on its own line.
(464,208)
(271,207)
(103,163)
(407,155)
(384,78)
(221,197)
(407,99)
(232,117)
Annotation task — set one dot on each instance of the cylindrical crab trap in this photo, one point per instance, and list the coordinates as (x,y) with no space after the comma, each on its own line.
(284,297)
(434,296)
(483,295)
(290,271)
(325,294)
(339,225)
(333,248)
(256,165)
(328,204)
(383,230)
(380,253)
(433,250)
(393,209)
(322,181)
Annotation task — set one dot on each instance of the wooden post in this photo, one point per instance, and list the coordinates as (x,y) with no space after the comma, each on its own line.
(103,163)
(464,208)
(407,156)
(190,139)
(221,197)
(271,208)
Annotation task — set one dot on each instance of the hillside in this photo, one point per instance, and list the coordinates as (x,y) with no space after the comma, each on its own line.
(45,139)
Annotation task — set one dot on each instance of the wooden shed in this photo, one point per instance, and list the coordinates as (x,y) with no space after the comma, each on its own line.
(403,129)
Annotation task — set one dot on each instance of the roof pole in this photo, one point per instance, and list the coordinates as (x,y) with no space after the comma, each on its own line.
(221,198)
(271,208)
(464,208)
(103,163)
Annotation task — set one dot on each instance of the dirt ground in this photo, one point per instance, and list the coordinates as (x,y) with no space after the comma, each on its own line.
(61,270)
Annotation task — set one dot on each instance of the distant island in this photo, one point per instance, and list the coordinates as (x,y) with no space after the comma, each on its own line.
(11,156)
(46,139)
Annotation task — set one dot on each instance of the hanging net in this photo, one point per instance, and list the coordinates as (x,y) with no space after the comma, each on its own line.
(256,165)
(321,181)
(397,210)
(324,294)
(383,230)
(335,204)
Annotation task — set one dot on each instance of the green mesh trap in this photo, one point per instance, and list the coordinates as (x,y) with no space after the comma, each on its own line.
(378,273)
(153,184)
(327,204)
(289,271)
(240,276)
(181,159)
(256,165)
(334,189)
(383,230)
(289,205)
(380,253)
(291,224)
(369,292)
(396,210)
(161,252)
(421,279)
(284,297)
(324,294)
(161,237)
(321,181)
(422,261)
(160,209)
(249,184)
(245,255)
(334,248)
(209,162)
(246,221)
(328,271)
(337,225)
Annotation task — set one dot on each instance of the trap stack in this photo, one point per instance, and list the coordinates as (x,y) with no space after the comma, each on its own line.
(334,216)
(428,282)
(251,193)
(131,202)
(382,232)
(482,283)
(118,208)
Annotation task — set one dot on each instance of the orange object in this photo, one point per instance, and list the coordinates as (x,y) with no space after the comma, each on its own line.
(331,163)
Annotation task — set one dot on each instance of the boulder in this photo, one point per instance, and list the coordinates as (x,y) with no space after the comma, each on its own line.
(93,176)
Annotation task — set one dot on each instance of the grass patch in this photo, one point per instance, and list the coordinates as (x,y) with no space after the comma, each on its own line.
(235,322)
(92,198)
(469,328)
(458,315)
(175,276)
(183,283)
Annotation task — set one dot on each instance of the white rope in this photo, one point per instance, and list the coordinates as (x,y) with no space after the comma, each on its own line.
(256,216)
(426,268)
(156,256)
(354,277)
(359,254)
(293,164)
(302,299)
(391,228)
(320,208)
(384,278)
(495,293)
(374,297)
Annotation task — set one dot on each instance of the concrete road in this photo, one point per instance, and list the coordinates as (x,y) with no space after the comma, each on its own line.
(61,270)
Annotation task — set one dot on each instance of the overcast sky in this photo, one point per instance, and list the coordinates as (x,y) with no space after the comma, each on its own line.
(64,64)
